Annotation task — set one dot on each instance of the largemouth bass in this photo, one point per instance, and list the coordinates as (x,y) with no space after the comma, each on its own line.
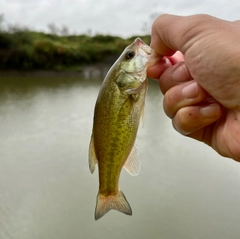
(118,109)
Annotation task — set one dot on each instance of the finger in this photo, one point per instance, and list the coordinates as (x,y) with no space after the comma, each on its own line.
(174,75)
(154,71)
(179,96)
(237,22)
(158,64)
(191,119)
(171,33)
(177,57)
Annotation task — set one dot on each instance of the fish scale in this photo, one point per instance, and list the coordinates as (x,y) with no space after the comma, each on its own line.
(117,114)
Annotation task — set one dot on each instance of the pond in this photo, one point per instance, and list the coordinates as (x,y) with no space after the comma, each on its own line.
(184,190)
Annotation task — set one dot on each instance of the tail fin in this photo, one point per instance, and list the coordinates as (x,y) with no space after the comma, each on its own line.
(106,203)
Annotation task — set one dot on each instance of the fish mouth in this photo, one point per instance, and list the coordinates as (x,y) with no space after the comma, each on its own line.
(147,49)
(154,58)
(143,46)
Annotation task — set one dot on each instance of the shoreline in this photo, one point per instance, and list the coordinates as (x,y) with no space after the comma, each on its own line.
(87,72)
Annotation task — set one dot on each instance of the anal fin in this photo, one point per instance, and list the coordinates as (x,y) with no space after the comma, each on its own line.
(132,164)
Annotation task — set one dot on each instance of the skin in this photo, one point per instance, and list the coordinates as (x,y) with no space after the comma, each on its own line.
(200,78)
(116,118)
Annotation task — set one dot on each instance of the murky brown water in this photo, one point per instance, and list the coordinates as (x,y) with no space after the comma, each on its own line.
(185,190)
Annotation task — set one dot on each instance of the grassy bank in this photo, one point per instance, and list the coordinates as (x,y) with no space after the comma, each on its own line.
(28,50)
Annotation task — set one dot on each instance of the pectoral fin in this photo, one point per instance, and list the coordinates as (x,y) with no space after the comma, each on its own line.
(137,88)
(132,165)
(92,156)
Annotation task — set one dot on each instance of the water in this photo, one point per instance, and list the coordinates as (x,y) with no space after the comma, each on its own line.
(185,190)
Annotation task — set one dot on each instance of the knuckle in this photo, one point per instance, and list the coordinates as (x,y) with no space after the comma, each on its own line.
(170,102)
(187,120)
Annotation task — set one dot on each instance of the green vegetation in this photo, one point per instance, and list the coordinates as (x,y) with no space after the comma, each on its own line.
(28,50)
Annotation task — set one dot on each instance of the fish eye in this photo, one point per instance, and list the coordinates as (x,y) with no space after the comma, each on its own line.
(130,54)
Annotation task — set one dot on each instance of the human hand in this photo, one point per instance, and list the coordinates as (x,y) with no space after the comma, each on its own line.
(202,93)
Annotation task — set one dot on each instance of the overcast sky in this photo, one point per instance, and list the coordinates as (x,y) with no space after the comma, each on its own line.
(118,17)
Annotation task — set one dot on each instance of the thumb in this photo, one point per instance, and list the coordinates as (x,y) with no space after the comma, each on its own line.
(172,33)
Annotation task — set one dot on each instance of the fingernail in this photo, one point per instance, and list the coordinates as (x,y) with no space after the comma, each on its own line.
(191,90)
(211,111)
(179,74)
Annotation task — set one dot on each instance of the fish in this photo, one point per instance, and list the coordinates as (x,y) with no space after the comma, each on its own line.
(118,109)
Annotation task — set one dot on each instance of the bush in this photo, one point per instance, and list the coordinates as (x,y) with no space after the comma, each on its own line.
(27,50)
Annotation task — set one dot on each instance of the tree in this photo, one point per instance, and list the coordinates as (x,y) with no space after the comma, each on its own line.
(64,30)
(1,21)
(53,28)
(13,28)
